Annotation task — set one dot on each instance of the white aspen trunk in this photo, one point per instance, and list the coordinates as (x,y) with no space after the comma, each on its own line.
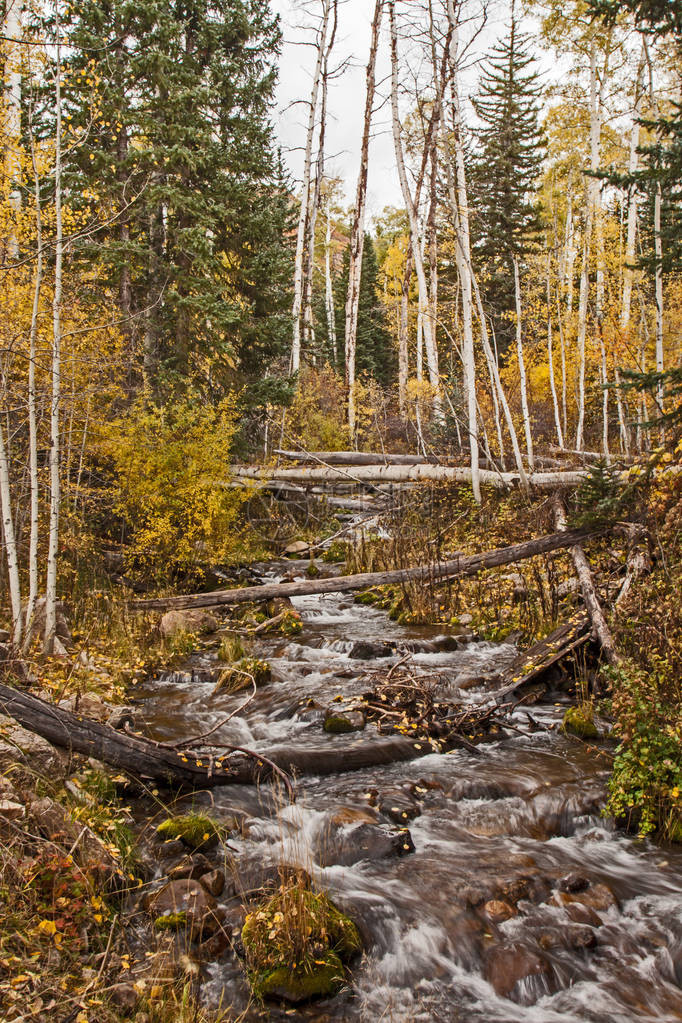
(631,235)
(522,368)
(357,238)
(55,494)
(32,411)
(570,251)
(429,335)
(304,213)
(605,399)
(658,254)
(404,331)
(12,27)
(10,541)
(592,201)
(550,357)
(329,287)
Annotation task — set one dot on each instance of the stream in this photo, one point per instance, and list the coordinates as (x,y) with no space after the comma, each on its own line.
(518,902)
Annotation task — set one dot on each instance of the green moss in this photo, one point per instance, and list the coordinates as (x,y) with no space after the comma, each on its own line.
(171,922)
(296,943)
(336,552)
(580,721)
(196,830)
(337,724)
(296,986)
(291,624)
(312,571)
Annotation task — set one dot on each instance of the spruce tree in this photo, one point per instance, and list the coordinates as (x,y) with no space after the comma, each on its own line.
(173,99)
(507,164)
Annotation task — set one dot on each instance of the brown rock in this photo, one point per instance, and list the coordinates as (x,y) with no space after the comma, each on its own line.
(573,883)
(125,998)
(498,911)
(213,882)
(190,868)
(574,936)
(597,897)
(202,916)
(507,967)
(580,914)
(29,752)
(11,811)
(174,622)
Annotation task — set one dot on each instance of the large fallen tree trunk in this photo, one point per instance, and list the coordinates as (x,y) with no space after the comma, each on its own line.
(361,458)
(464,565)
(601,630)
(532,664)
(143,758)
(422,473)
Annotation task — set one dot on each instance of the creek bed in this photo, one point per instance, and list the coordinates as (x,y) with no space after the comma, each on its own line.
(519,902)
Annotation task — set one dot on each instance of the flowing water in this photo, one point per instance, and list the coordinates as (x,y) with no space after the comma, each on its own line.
(507,826)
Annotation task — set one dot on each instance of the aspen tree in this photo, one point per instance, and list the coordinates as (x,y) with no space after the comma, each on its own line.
(357,237)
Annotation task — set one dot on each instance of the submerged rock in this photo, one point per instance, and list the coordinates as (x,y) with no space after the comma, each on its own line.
(347,841)
(507,967)
(185,906)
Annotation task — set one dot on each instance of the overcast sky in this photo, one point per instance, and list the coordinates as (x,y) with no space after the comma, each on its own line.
(346,98)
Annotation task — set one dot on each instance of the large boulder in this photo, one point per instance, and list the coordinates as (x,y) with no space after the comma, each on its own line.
(54,821)
(175,622)
(24,754)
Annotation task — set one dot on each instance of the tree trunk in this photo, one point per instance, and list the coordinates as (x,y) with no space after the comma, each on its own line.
(55,483)
(12,127)
(582,569)
(10,540)
(631,237)
(357,238)
(463,566)
(522,367)
(304,212)
(550,357)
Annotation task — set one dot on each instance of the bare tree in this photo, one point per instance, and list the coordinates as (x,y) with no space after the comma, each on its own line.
(357,237)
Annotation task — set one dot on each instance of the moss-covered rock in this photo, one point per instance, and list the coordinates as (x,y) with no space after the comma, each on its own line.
(323,980)
(336,552)
(243,674)
(339,724)
(296,944)
(313,570)
(171,922)
(580,721)
(195,830)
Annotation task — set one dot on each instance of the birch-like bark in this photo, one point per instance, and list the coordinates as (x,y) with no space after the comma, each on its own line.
(329,286)
(525,411)
(592,201)
(10,540)
(304,212)
(357,238)
(32,410)
(428,326)
(55,493)
(658,255)
(550,357)
(631,236)
(12,30)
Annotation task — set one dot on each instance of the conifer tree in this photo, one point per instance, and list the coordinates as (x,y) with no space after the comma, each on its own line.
(172,100)
(507,165)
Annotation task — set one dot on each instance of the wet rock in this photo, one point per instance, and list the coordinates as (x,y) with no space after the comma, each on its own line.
(573,883)
(597,897)
(341,722)
(171,850)
(498,911)
(365,650)
(195,831)
(213,882)
(24,754)
(580,721)
(398,809)
(344,844)
(575,937)
(515,890)
(214,946)
(580,914)
(190,868)
(507,967)
(175,622)
(185,906)
(348,815)
(86,705)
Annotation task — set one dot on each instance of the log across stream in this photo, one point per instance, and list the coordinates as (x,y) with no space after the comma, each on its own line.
(519,901)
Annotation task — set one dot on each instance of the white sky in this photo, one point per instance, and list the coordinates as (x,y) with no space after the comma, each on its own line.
(346,98)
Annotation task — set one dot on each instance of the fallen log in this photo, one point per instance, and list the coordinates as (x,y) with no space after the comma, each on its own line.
(421,473)
(462,566)
(582,569)
(361,458)
(532,664)
(142,758)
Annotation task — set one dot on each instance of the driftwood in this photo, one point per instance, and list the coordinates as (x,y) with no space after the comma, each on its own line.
(582,569)
(462,566)
(530,665)
(421,473)
(143,758)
